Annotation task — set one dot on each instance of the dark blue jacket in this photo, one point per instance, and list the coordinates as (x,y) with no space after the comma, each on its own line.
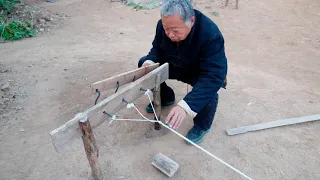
(199,60)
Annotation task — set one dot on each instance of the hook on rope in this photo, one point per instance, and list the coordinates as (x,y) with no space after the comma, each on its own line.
(104,112)
(123,100)
(113,117)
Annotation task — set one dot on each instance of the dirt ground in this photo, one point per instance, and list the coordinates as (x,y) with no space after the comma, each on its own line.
(273,49)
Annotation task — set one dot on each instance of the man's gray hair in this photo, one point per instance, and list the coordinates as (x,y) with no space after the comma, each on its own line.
(183,8)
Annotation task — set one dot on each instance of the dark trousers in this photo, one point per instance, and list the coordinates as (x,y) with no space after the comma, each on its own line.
(204,117)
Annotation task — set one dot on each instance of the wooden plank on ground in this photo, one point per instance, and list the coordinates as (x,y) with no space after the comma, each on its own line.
(65,134)
(124,78)
(272,124)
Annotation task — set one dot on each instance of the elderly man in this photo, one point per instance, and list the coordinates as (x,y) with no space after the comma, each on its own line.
(194,48)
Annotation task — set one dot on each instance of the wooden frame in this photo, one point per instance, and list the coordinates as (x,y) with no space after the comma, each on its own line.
(146,78)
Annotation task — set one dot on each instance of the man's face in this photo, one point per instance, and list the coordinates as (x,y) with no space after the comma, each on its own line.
(175,27)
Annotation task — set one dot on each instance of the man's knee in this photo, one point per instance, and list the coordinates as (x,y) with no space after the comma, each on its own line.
(142,60)
(211,107)
(214,102)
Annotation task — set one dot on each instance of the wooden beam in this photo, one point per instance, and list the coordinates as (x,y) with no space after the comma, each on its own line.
(90,147)
(124,78)
(272,124)
(65,134)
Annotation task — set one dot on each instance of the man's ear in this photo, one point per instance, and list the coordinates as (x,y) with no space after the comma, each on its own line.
(193,19)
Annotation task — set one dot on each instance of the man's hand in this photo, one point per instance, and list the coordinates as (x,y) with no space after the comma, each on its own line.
(175,117)
(146,63)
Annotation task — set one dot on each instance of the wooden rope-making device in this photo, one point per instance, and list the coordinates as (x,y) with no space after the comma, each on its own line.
(139,82)
(83,123)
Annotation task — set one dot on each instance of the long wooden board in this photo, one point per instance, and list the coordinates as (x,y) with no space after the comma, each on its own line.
(122,79)
(272,124)
(65,134)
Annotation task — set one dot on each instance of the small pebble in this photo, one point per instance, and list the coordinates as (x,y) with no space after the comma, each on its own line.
(5,86)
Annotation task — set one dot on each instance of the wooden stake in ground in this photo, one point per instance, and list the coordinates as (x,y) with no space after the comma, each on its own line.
(90,147)
(237,3)
(157,101)
(272,124)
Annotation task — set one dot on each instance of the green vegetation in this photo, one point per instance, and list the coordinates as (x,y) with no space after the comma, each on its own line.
(150,4)
(215,13)
(13,29)
(16,30)
(135,6)
(7,6)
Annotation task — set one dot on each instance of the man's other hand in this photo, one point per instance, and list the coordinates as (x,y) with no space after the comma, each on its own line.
(175,117)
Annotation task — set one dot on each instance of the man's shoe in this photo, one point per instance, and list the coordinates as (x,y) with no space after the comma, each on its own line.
(150,110)
(196,135)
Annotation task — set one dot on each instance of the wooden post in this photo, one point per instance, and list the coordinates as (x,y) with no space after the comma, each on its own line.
(157,101)
(90,146)
(227,2)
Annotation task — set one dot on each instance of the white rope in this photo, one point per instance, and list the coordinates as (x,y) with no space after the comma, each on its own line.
(186,139)
(207,152)
(140,113)
(155,114)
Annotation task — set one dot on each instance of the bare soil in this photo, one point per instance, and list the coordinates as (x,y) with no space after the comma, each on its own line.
(273,48)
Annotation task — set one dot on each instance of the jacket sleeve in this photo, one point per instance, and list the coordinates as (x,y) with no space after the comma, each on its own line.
(154,52)
(213,71)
